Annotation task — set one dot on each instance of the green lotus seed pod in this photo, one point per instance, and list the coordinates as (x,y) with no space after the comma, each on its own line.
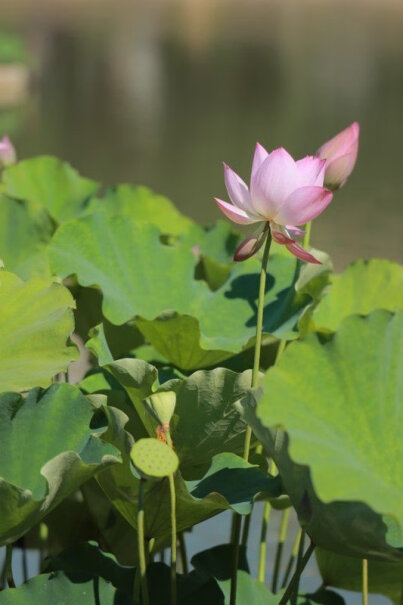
(162,406)
(153,459)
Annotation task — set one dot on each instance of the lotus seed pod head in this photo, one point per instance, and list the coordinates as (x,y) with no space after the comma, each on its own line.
(153,459)
(8,155)
(162,406)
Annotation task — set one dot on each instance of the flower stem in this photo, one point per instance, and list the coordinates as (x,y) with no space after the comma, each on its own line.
(298,572)
(248,433)
(173,538)
(183,553)
(280,545)
(263,544)
(259,324)
(9,566)
(365,582)
(140,543)
(245,530)
(291,560)
(307,235)
(301,546)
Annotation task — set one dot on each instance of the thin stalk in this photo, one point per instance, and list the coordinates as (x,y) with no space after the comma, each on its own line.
(248,432)
(259,324)
(3,575)
(169,439)
(24,561)
(298,572)
(183,553)
(291,560)
(307,235)
(235,557)
(9,566)
(301,546)
(140,543)
(245,530)
(263,544)
(365,582)
(280,546)
(173,538)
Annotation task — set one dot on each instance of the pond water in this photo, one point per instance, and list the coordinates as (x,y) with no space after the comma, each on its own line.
(159,93)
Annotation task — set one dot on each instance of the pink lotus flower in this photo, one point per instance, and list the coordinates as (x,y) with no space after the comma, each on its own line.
(340,154)
(7,152)
(283,194)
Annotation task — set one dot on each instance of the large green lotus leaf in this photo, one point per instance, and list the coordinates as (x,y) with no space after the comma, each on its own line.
(86,557)
(48,450)
(140,276)
(108,342)
(216,246)
(206,422)
(54,184)
(138,378)
(217,563)
(230,483)
(36,318)
(363,287)
(145,206)
(25,230)
(345,572)
(65,589)
(341,404)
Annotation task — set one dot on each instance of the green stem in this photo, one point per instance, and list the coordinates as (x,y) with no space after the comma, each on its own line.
(245,530)
(259,324)
(291,560)
(183,553)
(43,540)
(24,561)
(307,235)
(301,546)
(298,572)
(173,538)
(248,432)
(263,544)
(140,543)
(365,582)
(9,565)
(235,557)
(279,551)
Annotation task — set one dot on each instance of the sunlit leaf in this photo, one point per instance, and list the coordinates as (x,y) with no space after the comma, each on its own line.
(25,230)
(205,421)
(341,404)
(48,450)
(145,206)
(363,287)
(36,319)
(141,277)
(229,483)
(51,183)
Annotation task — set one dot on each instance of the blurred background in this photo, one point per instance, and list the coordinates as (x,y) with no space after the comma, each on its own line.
(160,92)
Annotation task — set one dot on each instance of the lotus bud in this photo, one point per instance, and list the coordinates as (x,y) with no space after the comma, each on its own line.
(162,406)
(8,155)
(340,154)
